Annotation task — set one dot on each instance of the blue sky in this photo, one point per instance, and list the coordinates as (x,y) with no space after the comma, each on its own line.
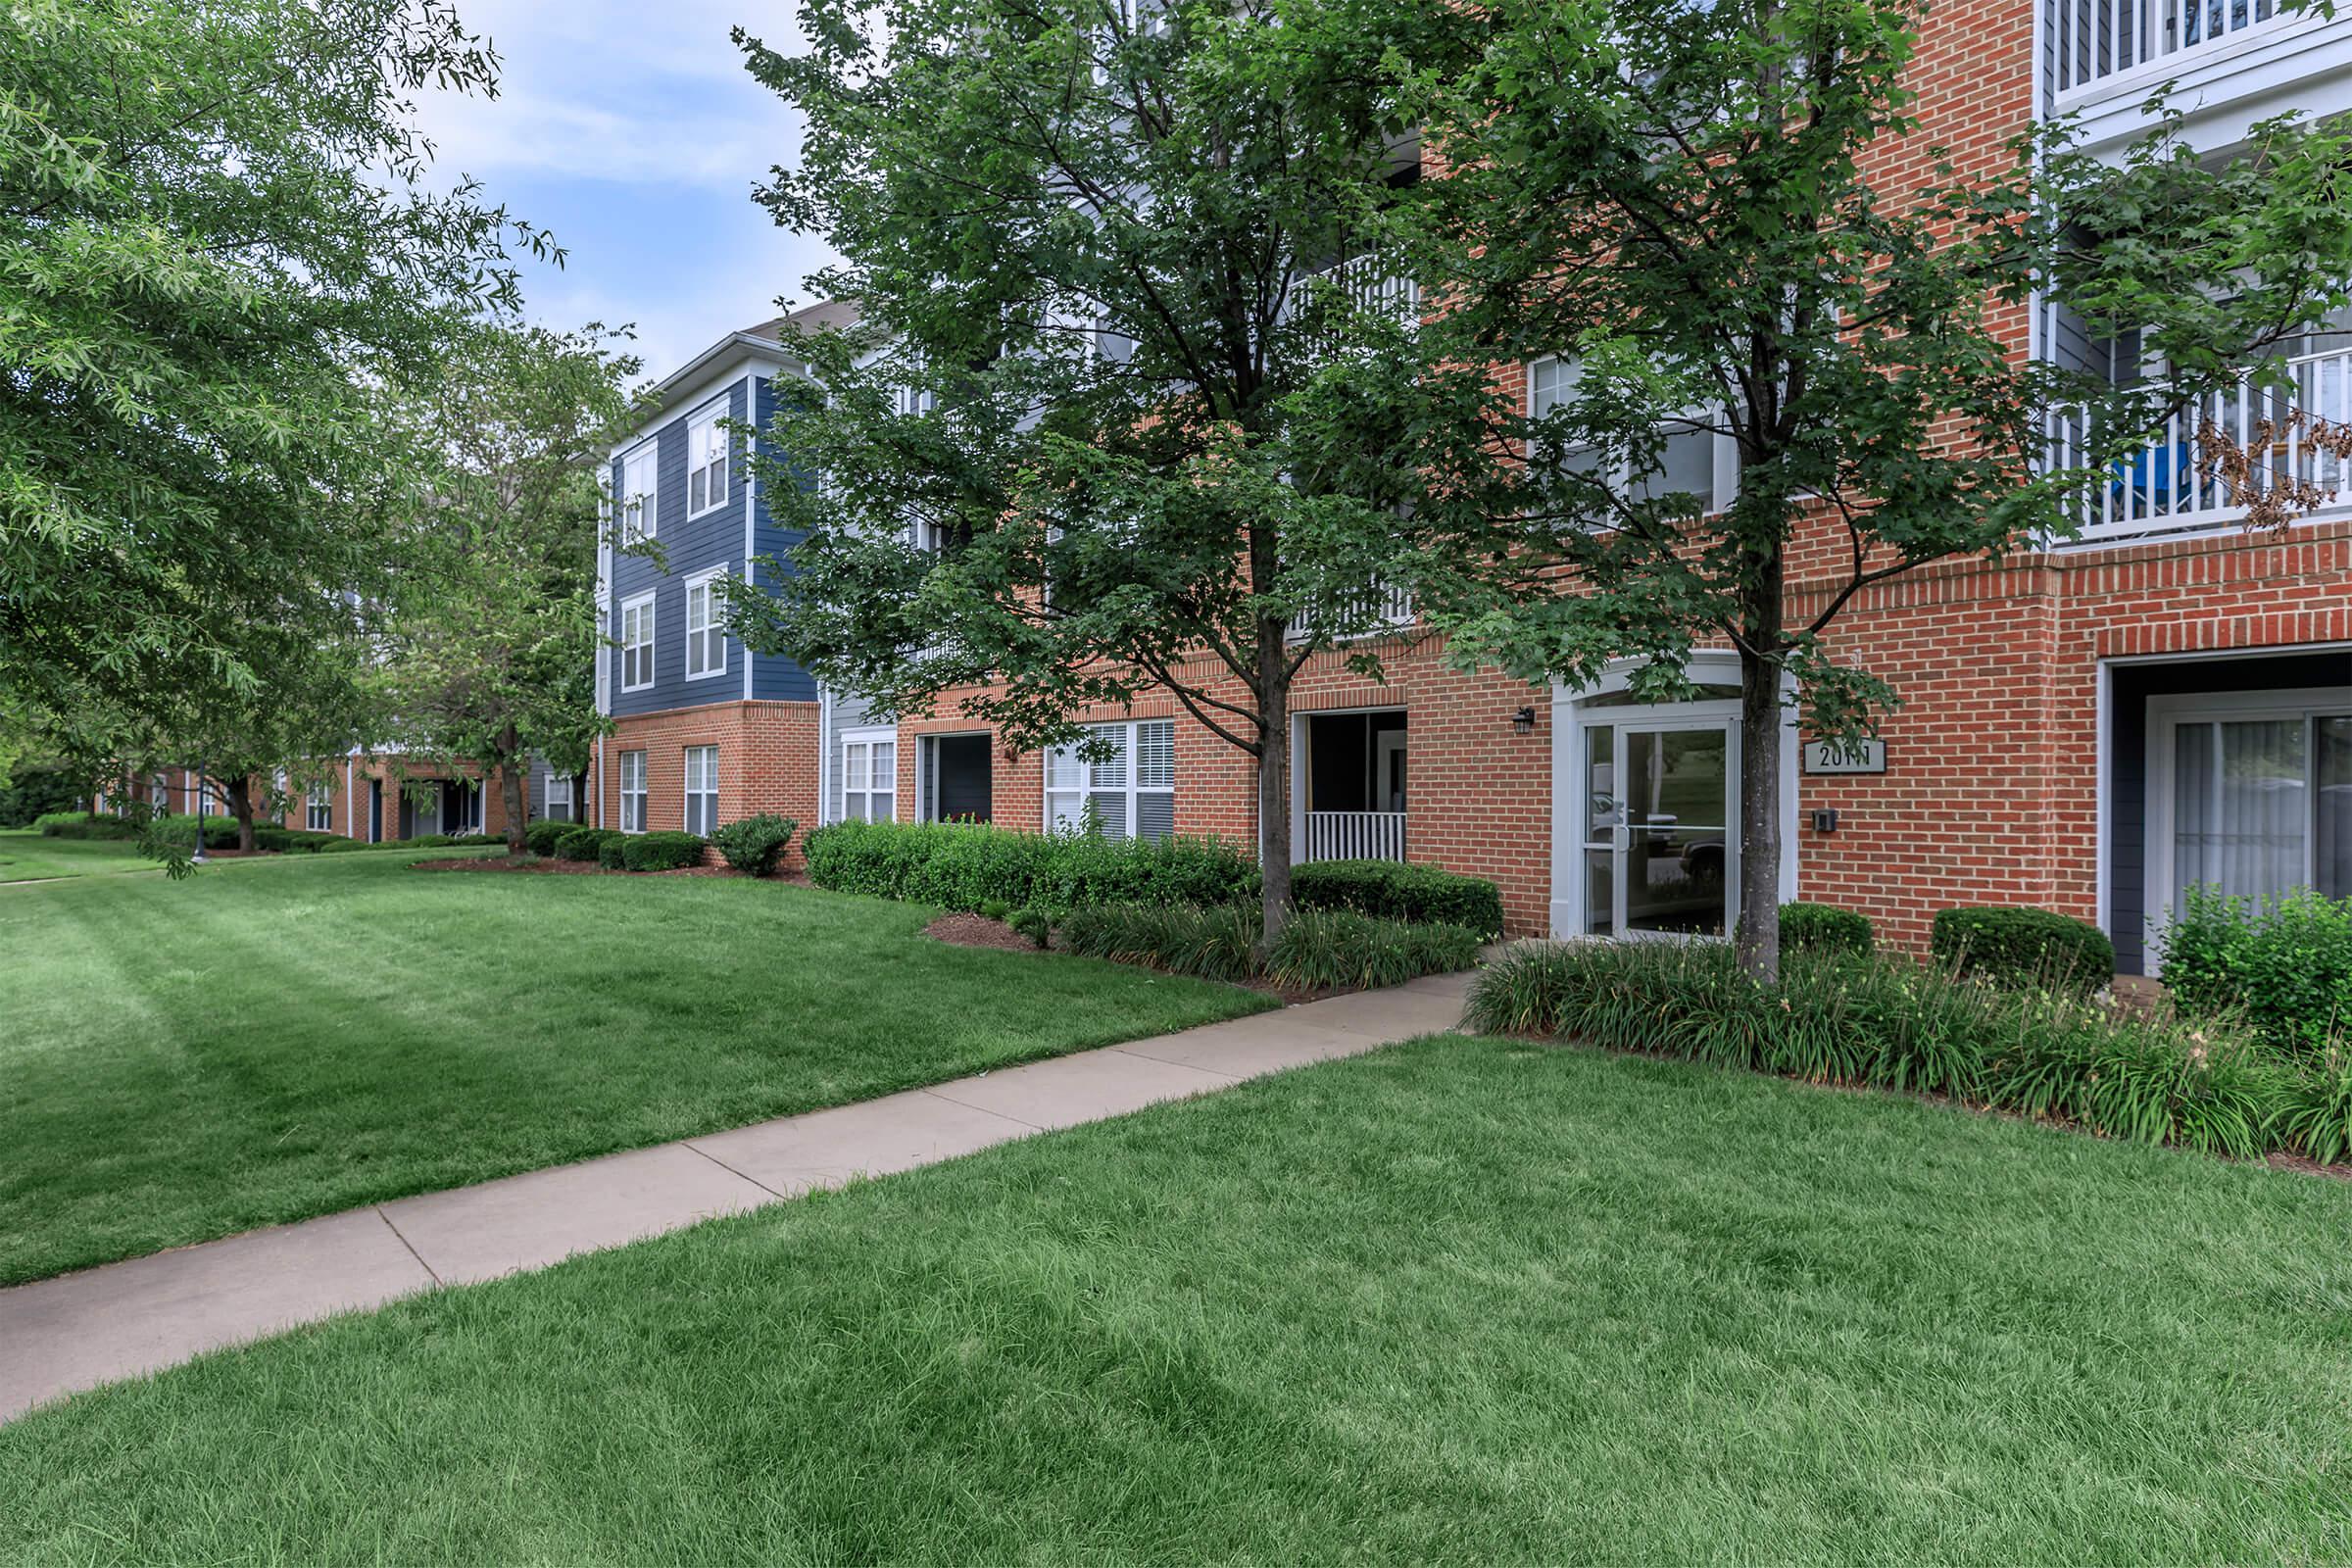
(636,134)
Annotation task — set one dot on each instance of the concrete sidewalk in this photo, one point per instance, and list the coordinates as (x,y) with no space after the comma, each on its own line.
(123,1319)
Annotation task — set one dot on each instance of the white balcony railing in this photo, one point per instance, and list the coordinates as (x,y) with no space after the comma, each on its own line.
(1354,836)
(2096,39)
(1368,284)
(2165,486)
(1372,612)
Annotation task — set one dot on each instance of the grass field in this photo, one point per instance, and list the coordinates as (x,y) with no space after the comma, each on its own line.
(1459,1301)
(272,1040)
(27,857)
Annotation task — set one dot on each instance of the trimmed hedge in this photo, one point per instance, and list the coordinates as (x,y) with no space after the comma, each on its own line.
(1391,891)
(961,866)
(753,845)
(582,843)
(1318,949)
(612,852)
(82,825)
(660,852)
(1895,1024)
(2016,945)
(1824,928)
(2281,964)
(540,837)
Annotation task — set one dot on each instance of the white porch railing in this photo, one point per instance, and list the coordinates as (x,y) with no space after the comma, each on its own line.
(2094,39)
(1372,611)
(1354,836)
(2163,488)
(1369,285)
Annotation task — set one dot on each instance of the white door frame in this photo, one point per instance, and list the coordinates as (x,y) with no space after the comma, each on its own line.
(1386,747)
(1569,716)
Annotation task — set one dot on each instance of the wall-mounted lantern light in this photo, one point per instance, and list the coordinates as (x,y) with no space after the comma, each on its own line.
(1524,720)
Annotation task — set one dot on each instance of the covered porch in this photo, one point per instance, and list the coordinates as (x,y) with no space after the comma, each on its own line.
(1348,785)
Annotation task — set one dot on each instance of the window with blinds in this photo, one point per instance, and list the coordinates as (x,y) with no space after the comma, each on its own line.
(1126,788)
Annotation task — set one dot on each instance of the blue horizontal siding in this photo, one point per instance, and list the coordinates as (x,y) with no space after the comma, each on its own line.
(774,678)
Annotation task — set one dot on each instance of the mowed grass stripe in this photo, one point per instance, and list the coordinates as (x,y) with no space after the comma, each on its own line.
(1460,1300)
(188,1059)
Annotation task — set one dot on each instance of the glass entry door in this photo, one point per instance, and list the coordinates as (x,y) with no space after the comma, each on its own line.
(1661,855)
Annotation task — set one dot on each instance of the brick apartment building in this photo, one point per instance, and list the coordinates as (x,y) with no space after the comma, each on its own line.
(2090,728)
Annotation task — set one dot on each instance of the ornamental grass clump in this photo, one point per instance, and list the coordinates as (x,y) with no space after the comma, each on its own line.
(1891,1023)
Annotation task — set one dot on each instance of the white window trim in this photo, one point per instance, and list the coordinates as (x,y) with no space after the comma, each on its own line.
(710,414)
(318,800)
(1723,449)
(702,580)
(868,736)
(643,792)
(648,623)
(1130,790)
(2166,714)
(547,797)
(645,521)
(688,794)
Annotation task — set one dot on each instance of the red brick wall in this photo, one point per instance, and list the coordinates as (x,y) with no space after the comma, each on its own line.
(767,762)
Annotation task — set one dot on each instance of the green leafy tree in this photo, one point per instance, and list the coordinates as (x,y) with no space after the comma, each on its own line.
(492,655)
(1724,218)
(1114,419)
(216,254)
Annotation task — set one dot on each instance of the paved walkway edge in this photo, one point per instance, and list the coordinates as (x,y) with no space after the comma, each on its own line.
(122,1321)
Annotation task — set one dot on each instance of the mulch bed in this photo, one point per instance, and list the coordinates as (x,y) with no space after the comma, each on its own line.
(978,931)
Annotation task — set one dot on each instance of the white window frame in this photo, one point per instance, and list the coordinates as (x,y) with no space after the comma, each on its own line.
(700,767)
(638,504)
(319,809)
(1723,450)
(641,606)
(712,632)
(706,452)
(548,803)
(633,793)
(2167,715)
(1066,793)
(860,753)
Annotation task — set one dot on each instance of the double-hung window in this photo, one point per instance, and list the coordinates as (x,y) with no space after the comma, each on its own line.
(869,775)
(559,797)
(318,814)
(637,643)
(702,789)
(706,630)
(1691,460)
(632,792)
(639,499)
(705,461)
(1119,782)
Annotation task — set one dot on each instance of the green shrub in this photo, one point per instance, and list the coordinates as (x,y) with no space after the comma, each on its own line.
(1318,949)
(995,908)
(1824,928)
(753,845)
(1035,924)
(2315,1115)
(308,841)
(270,837)
(82,825)
(662,852)
(475,839)
(2016,945)
(427,841)
(2283,964)
(1392,891)
(37,791)
(582,843)
(956,866)
(338,846)
(1322,949)
(1892,1024)
(541,837)
(612,852)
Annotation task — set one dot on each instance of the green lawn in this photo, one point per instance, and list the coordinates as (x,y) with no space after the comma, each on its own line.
(1462,1301)
(272,1040)
(27,857)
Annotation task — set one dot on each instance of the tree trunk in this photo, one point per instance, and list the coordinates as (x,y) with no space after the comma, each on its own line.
(510,769)
(1273,780)
(1758,934)
(240,805)
(579,796)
